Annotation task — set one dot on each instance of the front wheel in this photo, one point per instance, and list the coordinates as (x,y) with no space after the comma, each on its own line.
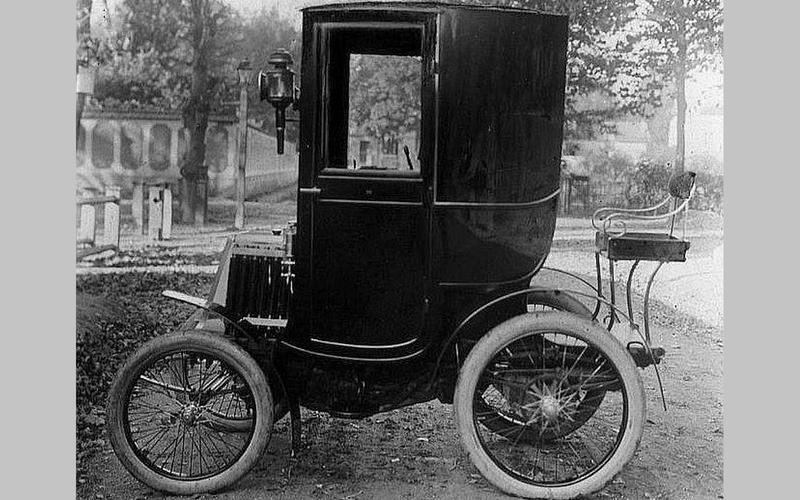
(171,410)
(558,364)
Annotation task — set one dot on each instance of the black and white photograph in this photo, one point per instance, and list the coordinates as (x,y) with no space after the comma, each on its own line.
(466,249)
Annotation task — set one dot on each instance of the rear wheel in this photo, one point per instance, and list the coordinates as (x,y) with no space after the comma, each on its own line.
(556,362)
(189,413)
(496,405)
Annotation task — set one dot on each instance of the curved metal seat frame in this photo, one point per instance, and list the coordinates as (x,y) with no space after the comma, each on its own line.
(611,223)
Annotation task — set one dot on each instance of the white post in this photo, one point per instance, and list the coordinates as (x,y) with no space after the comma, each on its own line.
(166,222)
(111,217)
(137,208)
(155,204)
(86,232)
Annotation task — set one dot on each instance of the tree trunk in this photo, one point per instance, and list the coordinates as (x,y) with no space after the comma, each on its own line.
(194,173)
(680,84)
(195,118)
(658,128)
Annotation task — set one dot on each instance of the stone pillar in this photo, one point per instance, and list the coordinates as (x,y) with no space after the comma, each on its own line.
(88,126)
(137,207)
(173,146)
(146,145)
(116,163)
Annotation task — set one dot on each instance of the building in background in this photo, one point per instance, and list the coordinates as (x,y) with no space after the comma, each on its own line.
(124,148)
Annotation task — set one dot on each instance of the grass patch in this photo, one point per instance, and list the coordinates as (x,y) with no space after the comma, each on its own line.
(115,315)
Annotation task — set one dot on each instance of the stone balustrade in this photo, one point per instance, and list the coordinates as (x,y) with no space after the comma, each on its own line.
(128,148)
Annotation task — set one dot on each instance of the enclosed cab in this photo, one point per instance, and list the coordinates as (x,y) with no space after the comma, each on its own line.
(430,139)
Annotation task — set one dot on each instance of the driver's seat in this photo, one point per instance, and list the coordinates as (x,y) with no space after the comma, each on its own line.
(614,239)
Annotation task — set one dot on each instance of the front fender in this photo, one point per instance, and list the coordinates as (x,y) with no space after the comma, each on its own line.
(209,316)
(213,318)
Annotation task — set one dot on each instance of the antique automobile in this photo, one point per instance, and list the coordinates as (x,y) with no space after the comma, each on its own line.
(411,271)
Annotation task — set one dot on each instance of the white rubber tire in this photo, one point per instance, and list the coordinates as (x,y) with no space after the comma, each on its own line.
(519,327)
(238,359)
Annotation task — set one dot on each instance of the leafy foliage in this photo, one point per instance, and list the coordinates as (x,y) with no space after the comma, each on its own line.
(385,95)
(709,194)
(263,32)
(106,336)
(666,24)
(83,10)
(617,181)
(596,60)
(608,164)
(148,61)
(648,184)
(137,80)
(622,54)
(678,38)
(610,171)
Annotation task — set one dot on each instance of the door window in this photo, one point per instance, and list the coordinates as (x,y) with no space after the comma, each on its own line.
(374,94)
(384,109)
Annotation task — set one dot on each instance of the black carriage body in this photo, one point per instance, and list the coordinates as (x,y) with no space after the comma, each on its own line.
(387,263)
(406,281)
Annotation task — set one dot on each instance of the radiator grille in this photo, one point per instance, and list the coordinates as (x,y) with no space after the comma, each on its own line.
(260,279)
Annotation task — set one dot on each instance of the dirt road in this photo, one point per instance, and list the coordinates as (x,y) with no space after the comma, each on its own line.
(414,452)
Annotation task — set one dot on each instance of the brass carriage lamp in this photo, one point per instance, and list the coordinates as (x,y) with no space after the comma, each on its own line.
(276,86)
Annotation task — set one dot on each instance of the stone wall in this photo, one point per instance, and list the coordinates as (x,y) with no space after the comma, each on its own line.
(116,148)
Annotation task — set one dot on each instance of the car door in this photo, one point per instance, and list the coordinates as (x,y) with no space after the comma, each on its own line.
(367,198)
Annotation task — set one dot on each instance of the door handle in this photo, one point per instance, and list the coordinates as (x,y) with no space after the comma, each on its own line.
(311,190)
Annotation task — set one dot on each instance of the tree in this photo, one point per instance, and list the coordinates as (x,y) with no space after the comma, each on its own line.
(385,96)
(172,55)
(180,55)
(263,32)
(206,21)
(597,60)
(633,53)
(681,36)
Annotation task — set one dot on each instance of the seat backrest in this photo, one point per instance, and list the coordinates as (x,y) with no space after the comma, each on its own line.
(681,188)
(680,185)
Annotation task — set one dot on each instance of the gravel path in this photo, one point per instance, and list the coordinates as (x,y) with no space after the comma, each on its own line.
(383,457)
(693,287)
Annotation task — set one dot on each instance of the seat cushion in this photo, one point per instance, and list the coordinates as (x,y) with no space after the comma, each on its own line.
(642,246)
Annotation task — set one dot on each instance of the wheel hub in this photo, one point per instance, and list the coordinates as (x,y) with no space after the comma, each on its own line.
(190,413)
(547,401)
(550,408)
